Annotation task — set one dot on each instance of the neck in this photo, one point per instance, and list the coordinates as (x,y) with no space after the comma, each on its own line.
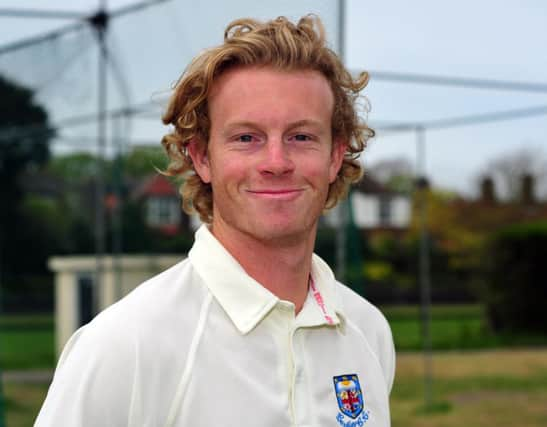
(282,266)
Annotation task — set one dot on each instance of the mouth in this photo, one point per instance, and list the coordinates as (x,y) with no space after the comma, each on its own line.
(276,194)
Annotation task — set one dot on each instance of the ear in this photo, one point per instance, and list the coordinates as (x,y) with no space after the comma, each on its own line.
(336,157)
(197,150)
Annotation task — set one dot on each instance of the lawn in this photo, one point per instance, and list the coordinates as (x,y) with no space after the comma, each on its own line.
(479,389)
(26,342)
(453,327)
(22,403)
(494,388)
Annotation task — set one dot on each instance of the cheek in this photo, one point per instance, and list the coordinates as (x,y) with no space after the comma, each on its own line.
(320,174)
(228,172)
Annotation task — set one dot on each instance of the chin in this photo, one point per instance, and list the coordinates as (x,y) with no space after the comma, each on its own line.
(278,231)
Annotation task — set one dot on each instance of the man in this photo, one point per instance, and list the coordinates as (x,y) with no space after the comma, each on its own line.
(252,329)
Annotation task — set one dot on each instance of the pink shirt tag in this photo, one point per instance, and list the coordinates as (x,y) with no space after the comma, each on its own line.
(319,299)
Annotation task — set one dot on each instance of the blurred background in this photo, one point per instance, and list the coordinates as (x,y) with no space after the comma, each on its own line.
(447,232)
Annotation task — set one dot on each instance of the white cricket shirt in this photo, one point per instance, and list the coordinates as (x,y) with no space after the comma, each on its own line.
(204,344)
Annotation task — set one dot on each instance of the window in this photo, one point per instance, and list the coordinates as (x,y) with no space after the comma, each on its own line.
(385,211)
(163,211)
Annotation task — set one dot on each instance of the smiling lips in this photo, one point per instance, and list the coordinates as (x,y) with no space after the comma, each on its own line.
(277,194)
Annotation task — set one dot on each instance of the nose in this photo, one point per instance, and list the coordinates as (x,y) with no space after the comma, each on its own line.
(276,158)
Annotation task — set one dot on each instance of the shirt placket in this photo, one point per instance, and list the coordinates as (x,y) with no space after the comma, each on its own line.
(292,373)
(314,314)
(286,327)
(300,395)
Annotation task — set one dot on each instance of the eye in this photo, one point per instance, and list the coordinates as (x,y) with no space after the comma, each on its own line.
(245,138)
(301,137)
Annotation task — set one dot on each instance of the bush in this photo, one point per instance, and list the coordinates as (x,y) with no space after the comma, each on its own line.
(516,279)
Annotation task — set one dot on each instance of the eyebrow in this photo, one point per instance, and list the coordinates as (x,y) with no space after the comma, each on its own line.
(253,125)
(231,126)
(313,123)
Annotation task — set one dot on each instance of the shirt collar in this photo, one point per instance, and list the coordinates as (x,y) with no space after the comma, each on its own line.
(245,300)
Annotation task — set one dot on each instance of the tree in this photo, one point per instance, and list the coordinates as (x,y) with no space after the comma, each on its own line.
(144,160)
(75,168)
(78,170)
(395,173)
(456,238)
(516,278)
(24,144)
(24,135)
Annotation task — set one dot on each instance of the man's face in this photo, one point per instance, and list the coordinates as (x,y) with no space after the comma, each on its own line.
(270,157)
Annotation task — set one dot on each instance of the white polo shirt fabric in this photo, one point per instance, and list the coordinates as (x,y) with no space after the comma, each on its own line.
(204,344)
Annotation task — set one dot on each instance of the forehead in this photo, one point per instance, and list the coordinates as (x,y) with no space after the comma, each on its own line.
(261,90)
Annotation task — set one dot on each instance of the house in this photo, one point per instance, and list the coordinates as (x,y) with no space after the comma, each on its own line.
(162,204)
(375,208)
(488,212)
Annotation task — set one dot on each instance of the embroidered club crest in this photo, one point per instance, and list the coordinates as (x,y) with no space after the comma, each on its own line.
(349,395)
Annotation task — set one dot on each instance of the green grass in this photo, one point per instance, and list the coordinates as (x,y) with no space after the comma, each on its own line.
(475,388)
(26,342)
(479,389)
(453,327)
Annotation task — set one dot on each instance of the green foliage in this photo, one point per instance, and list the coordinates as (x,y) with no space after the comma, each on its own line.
(44,229)
(325,245)
(516,278)
(34,227)
(74,168)
(25,132)
(378,271)
(37,234)
(82,167)
(79,170)
(391,261)
(24,145)
(142,161)
(401,183)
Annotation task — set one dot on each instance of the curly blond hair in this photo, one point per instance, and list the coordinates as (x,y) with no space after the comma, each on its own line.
(279,44)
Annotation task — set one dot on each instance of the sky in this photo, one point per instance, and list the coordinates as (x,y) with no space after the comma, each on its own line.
(495,40)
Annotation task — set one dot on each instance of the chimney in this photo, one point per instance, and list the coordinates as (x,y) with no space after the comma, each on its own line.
(422,183)
(488,193)
(527,189)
